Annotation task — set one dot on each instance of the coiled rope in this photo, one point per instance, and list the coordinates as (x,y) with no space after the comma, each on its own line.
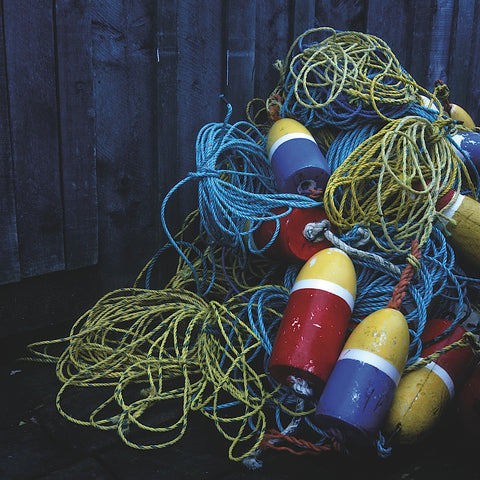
(394,179)
(343,80)
(203,342)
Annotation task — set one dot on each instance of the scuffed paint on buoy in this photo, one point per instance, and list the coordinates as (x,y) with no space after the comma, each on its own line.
(314,325)
(423,395)
(360,389)
(297,162)
(461,216)
(289,244)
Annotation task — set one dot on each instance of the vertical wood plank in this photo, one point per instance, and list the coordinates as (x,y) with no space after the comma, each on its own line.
(342,14)
(167,101)
(472,103)
(440,43)
(461,51)
(239,55)
(34,125)
(274,37)
(9,259)
(302,16)
(379,23)
(421,40)
(199,84)
(75,88)
(124,55)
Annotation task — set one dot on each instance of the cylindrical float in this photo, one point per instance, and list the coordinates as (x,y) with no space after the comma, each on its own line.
(460,115)
(362,384)
(465,228)
(290,244)
(423,395)
(314,325)
(297,162)
(469,144)
(468,405)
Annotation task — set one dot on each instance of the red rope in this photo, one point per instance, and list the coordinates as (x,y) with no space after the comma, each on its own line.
(401,287)
(274,109)
(302,446)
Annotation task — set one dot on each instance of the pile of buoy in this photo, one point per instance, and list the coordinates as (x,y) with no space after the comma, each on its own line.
(326,290)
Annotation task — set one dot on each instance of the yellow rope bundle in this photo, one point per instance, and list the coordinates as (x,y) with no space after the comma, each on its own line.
(393,180)
(153,346)
(343,62)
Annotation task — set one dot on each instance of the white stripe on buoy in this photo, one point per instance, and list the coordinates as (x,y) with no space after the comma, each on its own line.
(327,286)
(372,359)
(286,138)
(450,211)
(445,377)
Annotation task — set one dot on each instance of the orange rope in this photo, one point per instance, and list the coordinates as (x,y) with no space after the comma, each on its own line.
(274,107)
(400,289)
(306,448)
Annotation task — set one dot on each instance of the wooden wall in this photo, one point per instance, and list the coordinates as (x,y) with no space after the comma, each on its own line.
(101,102)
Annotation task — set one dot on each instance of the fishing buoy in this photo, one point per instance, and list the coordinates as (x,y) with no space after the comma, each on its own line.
(290,244)
(465,228)
(468,404)
(362,384)
(423,395)
(314,325)
(297,162)
(428,103)
(469,144)
(460,115)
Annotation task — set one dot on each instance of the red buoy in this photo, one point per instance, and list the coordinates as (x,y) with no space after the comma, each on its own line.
(290,244)
(314,325)
(468,405)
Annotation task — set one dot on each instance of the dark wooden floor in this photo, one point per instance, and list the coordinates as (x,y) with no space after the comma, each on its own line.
(36,443)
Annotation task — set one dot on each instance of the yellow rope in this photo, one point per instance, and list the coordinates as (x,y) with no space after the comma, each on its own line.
(393,181)
(468,339)
(151,346)
(343,62)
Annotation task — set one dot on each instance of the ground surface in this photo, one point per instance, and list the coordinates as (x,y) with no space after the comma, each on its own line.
(36,443)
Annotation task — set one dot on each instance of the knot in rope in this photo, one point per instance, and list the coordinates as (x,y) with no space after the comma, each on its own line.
(315,231)
(204,173)
(300,386)
(442,92)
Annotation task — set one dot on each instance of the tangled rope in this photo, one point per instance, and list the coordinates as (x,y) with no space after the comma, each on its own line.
(343,79)
(203,342)
(394,179)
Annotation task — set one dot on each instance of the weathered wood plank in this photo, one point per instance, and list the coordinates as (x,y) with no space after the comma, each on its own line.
(442,20)
(75,89)
(239,55)
(124,55)
(379,24)
(167,101)
(199,83)
(421,40)
(472,103)
(9,259)
(302,17)
(274,37)
(34,125)
(461,53)
(342,14)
